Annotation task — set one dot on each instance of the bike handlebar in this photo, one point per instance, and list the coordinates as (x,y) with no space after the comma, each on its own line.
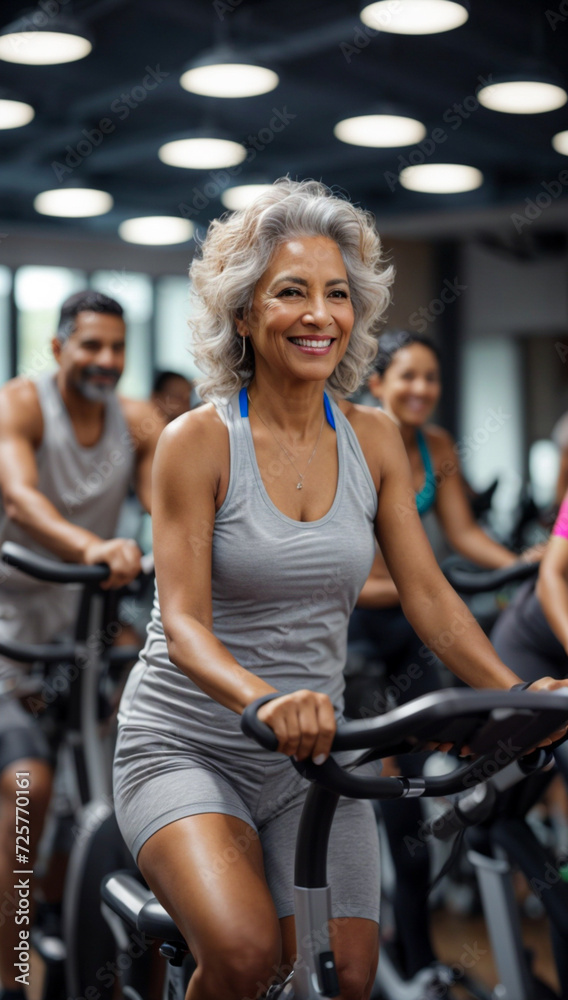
(500,726)
(43,568)
(53,571)
(469,579)
(479,803)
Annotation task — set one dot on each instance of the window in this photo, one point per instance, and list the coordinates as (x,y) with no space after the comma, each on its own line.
(39,293)
(5,286)
(172,332)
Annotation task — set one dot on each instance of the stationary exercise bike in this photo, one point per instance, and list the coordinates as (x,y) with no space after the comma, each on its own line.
(481,720)
(80,676)
(499,840)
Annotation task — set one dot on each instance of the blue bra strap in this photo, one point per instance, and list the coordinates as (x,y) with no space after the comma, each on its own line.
(425,499)
(328,411)
(424,453)
(244,407)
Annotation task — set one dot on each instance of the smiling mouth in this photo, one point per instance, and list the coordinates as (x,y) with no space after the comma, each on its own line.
(320,342)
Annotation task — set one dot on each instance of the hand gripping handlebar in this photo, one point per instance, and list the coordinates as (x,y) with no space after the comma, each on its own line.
(43,568)
(499,726)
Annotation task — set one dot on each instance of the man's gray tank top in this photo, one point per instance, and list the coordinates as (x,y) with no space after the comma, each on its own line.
(283,591)
(86,485)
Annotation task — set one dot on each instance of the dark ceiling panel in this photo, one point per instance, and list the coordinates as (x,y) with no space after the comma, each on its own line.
(329,68)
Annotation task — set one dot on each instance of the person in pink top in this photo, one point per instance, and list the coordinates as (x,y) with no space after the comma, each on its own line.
(531,636)
(561,525)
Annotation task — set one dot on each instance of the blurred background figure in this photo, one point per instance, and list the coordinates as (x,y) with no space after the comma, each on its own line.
(171,393)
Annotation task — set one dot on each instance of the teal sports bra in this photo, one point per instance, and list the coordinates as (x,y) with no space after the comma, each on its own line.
(427,496)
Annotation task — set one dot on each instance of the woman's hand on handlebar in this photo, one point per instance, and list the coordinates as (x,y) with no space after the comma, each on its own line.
(304,723)
(121,555)
(534,553)
(551,684)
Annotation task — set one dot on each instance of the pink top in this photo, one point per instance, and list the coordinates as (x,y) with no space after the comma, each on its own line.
(561,523)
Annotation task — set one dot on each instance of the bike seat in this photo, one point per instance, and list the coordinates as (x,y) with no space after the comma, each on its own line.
(153,921)
(127,896)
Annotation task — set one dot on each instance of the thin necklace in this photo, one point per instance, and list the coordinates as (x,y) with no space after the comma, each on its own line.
(300,483)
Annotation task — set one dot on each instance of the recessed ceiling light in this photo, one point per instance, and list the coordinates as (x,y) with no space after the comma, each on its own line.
(229,79)
(441,178)
(560,142)
(414,17)
(242,195)
(31,42)
(202,154)
(522,96)
(14,114)
(73,203)
(380,130)
(156,230)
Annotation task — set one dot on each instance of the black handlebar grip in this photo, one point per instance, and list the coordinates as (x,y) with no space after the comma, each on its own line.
(25,652)
(49,570)
(474,582)
(254,728)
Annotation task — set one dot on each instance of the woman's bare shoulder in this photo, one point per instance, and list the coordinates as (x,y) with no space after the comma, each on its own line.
(367,420)
(439,441)
(200,435)
(377,435)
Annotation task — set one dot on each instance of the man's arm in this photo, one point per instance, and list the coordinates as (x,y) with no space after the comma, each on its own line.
(145,424)
(21,430)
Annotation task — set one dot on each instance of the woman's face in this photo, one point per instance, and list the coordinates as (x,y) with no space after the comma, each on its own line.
(302,315)
(410,388)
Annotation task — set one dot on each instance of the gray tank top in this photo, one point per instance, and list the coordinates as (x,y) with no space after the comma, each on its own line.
(86,485)
(283,591)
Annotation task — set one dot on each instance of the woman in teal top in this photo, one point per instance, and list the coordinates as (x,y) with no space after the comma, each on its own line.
(406,382)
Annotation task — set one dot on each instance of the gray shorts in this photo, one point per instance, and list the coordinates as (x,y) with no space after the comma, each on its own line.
(159,778)
(21,735)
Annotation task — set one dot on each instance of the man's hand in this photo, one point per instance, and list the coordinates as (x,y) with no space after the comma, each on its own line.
(121,555)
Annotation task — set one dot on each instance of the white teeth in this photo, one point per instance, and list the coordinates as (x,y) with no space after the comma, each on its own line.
(303,342)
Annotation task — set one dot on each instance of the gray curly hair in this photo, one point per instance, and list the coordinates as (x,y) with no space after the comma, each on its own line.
(235,253)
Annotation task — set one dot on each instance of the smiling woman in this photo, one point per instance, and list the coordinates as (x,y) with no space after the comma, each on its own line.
(265,507)
(238,248)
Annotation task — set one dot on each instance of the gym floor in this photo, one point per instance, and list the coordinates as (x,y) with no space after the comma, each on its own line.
(454,937)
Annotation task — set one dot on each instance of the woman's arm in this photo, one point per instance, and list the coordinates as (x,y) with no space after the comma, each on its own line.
(434,610)
(454,512)
(185,480)
(188,469)
(552,587)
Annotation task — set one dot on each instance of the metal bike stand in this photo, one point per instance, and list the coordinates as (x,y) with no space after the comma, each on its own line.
(85,759)
(315,975)
(504,925)
(480,719)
